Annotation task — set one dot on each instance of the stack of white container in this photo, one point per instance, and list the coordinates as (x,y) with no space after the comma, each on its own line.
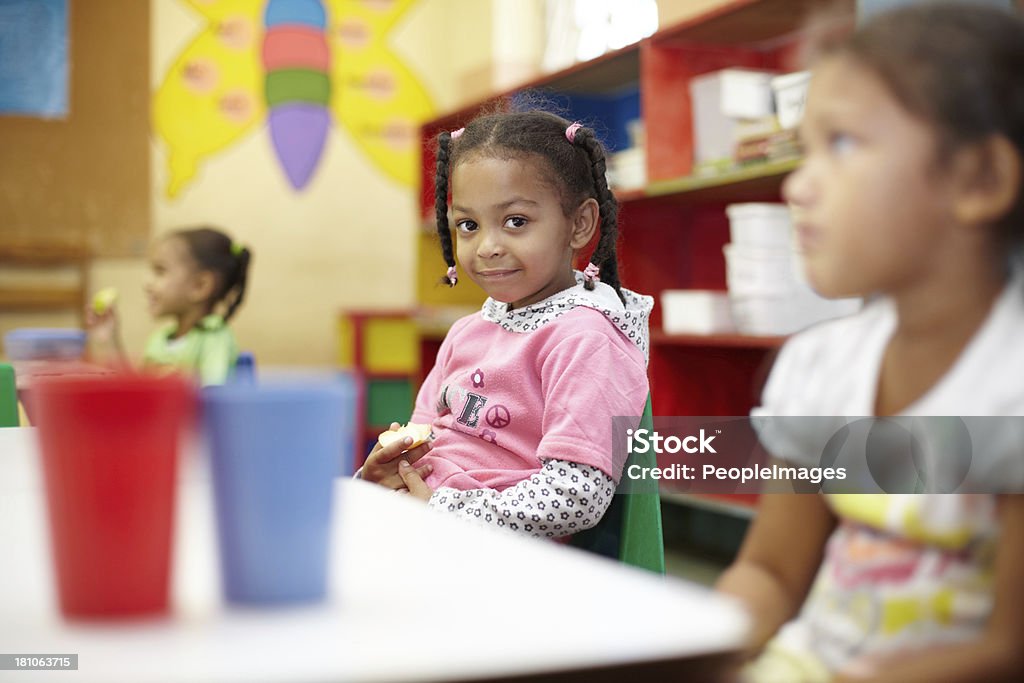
(627,170)
(767,290)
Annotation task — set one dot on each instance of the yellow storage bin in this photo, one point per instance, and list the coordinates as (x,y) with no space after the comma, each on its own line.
(378,343)
(391,345)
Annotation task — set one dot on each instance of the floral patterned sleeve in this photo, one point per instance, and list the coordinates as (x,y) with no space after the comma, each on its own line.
(561,499)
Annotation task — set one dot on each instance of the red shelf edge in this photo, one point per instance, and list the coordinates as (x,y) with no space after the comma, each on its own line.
(740,341)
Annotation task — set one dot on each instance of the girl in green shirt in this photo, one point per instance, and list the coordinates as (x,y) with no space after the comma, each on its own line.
(197,279)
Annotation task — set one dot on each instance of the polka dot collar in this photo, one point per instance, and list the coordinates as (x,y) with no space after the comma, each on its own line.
(630,318)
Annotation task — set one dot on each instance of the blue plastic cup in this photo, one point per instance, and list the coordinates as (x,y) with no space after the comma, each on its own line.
(350,385)
(275,452)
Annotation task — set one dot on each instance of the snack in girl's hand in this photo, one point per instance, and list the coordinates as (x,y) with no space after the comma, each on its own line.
(104,299)
(419,433)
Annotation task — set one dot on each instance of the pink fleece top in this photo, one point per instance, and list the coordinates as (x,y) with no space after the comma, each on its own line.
(500,401)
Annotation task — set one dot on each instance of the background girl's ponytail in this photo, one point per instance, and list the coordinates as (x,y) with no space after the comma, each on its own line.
(241,275)
(228,261)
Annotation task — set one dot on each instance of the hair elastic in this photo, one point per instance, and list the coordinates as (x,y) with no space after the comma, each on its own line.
(570,132)
(456,134)
(453,275)
(591,273)
(237,248)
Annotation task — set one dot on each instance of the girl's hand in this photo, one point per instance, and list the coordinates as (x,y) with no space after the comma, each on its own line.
(381,466)
(102,327)
(413,481)
(105,335)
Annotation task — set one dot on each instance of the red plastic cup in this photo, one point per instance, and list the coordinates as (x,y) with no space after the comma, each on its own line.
(110,451)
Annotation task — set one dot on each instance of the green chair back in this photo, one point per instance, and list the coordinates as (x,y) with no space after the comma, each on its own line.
(630,530)
(8,397)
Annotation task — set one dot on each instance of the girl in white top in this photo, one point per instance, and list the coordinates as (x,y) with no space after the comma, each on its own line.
(911,195)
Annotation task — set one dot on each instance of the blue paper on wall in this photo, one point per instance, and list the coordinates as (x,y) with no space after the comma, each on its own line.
(34,57)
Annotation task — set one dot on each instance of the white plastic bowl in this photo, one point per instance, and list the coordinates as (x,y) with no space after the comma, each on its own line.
(783,313)
(629,168)
(760,225)
(695,311)
(750,270)
(764,314)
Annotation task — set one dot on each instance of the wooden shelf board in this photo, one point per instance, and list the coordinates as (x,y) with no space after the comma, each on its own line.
(750,180)
(737,341)
(40,299)
(43,253)
(609,73)
(750,22)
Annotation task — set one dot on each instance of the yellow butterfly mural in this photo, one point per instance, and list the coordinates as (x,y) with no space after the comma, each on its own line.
(297,67)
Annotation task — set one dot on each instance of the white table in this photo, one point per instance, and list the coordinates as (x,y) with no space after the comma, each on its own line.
(408,586)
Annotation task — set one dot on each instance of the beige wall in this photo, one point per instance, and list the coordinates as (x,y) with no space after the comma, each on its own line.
(674,11)
(347,240)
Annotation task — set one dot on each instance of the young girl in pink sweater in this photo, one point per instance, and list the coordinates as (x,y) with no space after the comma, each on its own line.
(522,395)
